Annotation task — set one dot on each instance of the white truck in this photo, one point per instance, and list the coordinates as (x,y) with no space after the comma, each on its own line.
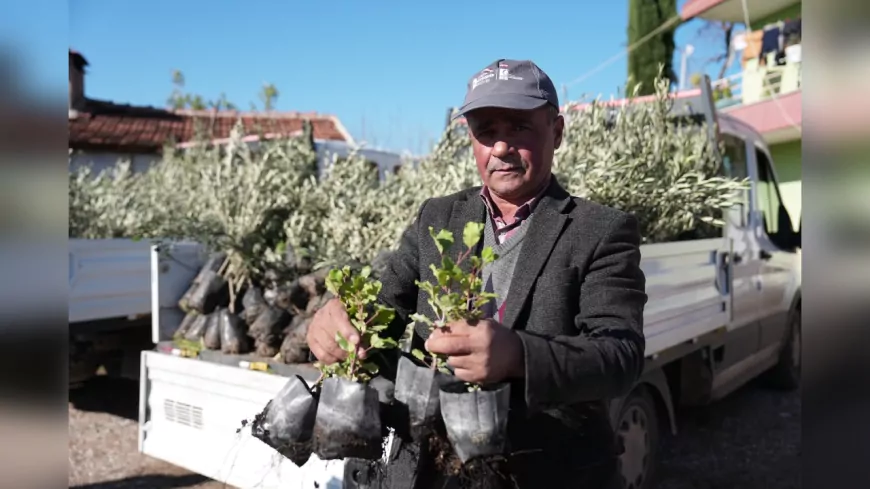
(721,312)
(109,306)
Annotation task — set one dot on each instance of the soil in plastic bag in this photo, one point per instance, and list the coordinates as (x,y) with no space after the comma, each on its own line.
(348,422)
(292,297)
(476,422)
(266,349)
(317,302)
(212,337)
(197,328)
(417,390)
(254,304)
(210,292)
(185,325)
(295,349)
(314,284)
(234,337)
(287,422)
(442,468)
(270,323)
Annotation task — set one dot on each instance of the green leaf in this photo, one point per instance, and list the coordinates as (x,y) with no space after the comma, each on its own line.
(334,281)
(471,233)
(383,315)
(488,255)
(419,355)
(366,271)
(420,318)
(343,343)
(371,367)
(443,239)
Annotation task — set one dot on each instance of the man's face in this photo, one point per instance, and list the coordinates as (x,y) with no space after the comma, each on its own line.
(514,148)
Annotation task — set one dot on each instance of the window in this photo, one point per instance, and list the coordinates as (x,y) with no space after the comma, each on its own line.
(777,222)
(734,166)
(768,194)
(734,157)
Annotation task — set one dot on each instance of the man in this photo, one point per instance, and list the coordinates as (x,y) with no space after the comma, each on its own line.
(567,328)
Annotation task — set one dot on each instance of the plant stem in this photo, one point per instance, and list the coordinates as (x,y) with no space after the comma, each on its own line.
(352,370)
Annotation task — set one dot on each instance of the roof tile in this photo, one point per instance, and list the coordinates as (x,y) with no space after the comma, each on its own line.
(105,125)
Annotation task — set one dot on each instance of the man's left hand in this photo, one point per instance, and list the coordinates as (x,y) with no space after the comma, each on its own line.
(485,352)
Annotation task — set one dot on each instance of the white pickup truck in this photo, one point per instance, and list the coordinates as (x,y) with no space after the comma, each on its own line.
(721,312)
(109,306)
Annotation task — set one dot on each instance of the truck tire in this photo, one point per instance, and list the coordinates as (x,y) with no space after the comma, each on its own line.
(637,428)
(786,374)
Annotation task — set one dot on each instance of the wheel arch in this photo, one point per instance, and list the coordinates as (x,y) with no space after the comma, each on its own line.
(656,384)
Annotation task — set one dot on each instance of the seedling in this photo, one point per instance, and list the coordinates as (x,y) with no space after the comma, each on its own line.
(457,295)
(359,296)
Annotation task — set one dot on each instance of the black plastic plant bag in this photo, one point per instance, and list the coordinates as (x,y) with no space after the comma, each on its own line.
(476,422)
(213,264)
(295,349)
(348,422)
(234,337)
(417,388)
(212,337)
(210,292)
(254,304)
(197,328)
(185,325)
(287,422)
(270,323)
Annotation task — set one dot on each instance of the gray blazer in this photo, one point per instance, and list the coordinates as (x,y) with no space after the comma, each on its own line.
(576,301)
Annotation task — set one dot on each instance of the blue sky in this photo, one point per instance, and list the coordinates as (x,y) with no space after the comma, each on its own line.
(388,69)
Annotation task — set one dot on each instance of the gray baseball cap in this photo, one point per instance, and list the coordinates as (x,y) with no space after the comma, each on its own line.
(509,84)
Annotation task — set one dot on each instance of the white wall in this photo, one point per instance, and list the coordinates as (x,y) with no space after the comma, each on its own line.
(102,161)
(386,161)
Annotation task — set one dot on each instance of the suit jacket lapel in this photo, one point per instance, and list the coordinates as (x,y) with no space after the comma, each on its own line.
(547,224)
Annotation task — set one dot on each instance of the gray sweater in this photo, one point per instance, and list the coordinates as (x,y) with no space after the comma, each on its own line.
(498,274)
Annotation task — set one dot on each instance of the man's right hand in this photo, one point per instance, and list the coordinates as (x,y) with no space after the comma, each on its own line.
(330,319)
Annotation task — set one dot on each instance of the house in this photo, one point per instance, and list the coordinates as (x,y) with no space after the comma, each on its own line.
(101,133)
(766,93)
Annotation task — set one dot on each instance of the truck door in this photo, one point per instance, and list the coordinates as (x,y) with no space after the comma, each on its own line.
(742,261)
(775,233)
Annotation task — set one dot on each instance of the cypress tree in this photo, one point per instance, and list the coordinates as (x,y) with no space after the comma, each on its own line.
(645,16)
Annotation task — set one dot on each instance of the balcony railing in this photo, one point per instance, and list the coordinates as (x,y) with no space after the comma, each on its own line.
(759,82)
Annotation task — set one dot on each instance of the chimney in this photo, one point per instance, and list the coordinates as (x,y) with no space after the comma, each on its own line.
(77,64)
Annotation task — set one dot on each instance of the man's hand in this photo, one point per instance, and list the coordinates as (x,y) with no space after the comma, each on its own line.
(328,320)
(485,352)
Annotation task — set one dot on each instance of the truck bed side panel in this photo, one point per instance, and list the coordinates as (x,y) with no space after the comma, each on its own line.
(108,278)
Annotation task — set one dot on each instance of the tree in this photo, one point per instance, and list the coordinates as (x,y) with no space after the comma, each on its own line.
(268,95)
(719,32)
(179,99)
(645,17)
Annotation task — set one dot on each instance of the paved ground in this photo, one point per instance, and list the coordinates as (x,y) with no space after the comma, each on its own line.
(750,440)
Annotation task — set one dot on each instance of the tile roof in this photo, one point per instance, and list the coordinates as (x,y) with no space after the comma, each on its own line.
(113,127)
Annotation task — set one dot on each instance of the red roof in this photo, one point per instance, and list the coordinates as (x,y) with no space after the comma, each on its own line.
(112,127)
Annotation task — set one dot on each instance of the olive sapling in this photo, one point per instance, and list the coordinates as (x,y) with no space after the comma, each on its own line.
(359,296)
(457,295)
(348,424)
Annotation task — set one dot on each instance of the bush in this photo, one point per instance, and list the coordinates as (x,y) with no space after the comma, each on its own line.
(255,203)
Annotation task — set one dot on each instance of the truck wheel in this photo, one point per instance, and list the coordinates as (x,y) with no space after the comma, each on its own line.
(786,374)
(638,431)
